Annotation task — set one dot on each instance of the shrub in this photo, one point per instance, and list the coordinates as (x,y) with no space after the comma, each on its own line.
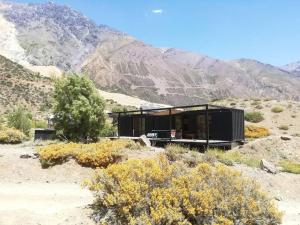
(290,167)
(108,130)
(11,136)
(230,157)
(254,117)
(283,127)
(152,191)
(78,108)
(277,109)
(179,153)
(99,154)
(252,131)
(20,119)
(40,124)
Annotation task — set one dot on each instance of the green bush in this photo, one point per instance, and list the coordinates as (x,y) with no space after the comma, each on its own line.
(254,117)
(290,167)
(40,124)
(20,119)
(78,108)
(108,130)
(277,109)
(11,136)
(283,127)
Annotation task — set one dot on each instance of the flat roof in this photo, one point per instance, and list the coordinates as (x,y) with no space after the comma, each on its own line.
(176,109)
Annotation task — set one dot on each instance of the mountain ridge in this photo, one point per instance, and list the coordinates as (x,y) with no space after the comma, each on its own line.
(56,35)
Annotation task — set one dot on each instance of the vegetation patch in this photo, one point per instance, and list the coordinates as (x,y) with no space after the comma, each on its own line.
(277,109)
(283,127)
(93,155)
(254,117)
(153,191)
(180,153)
(11,136)
(252,131)
(230,157)
(290,167)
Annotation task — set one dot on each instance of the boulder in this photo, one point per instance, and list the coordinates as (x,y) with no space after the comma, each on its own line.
(267,166)
(144,141)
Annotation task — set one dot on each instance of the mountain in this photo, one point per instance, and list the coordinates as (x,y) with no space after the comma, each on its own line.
(19,85)
(51,35)
(293,68)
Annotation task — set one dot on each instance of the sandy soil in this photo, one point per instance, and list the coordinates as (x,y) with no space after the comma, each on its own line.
(31,195)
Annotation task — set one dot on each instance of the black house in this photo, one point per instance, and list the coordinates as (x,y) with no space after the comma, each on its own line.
(201,125)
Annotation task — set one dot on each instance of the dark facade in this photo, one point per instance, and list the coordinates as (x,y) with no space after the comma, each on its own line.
(210,123)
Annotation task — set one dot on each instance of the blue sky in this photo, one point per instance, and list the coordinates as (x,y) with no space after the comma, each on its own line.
(266,30)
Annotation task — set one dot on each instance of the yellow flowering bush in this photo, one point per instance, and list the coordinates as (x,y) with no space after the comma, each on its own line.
(99,154)
(153,191)
(11,136)
(252,131)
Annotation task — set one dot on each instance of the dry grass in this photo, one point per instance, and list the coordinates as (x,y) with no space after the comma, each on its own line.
(290,167)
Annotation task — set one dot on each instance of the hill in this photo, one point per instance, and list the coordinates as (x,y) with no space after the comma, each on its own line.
(19,85)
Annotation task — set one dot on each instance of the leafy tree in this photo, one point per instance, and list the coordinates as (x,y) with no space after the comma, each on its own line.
(20,119)
(78,108)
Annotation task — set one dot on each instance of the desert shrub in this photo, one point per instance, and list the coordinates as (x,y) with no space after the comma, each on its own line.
(277,109)
(254,117)
(230,157)
(108,130)
(99,154)
(188,156)
(40,124)
(283,127)
(290,167)
(78,108)
(252,131)
(153,191)
(20,119)
(11,136)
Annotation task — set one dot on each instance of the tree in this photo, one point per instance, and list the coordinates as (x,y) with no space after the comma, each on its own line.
(78,108)
(20,119)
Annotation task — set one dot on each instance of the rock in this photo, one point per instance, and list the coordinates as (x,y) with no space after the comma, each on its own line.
(25,156)
(144,141)
(267,166)
(285,138)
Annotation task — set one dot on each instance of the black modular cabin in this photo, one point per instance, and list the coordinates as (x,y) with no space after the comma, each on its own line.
(200,126)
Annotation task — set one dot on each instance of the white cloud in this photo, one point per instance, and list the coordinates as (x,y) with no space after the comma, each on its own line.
(157,11)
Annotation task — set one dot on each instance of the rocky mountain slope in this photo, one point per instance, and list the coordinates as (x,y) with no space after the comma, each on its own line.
(293,68)
(57,36)
(21,86)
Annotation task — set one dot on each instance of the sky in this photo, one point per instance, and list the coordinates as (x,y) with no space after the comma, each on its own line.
(265,30)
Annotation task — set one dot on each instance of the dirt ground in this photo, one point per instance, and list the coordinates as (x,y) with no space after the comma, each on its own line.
(32,195)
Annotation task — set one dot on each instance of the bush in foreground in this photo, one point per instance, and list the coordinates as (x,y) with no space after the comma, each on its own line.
(11,136)
(252,131)
(99,154)
(254,117)
(154,191)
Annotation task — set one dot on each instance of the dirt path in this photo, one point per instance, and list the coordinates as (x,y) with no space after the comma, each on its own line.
(31,195)
(284,187)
